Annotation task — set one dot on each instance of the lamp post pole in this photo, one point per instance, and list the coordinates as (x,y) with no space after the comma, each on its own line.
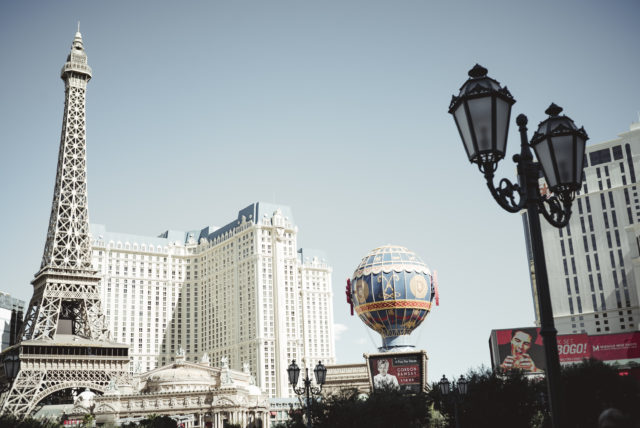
(308,389)
(530,173)
(482,111)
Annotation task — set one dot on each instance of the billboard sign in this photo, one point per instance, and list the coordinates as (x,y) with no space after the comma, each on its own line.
(573,348)
(405,371)
(522,348)
(518,348)
(616,347)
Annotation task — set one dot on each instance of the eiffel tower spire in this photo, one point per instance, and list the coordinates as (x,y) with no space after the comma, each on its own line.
(68,246)
(65,342)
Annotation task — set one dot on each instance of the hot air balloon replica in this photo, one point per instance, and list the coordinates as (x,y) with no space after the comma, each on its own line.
(392,290)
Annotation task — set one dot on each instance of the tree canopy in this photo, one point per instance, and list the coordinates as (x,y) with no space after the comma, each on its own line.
(511,399)
(381,409)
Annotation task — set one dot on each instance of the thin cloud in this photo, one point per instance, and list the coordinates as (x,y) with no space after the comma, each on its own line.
(338,329)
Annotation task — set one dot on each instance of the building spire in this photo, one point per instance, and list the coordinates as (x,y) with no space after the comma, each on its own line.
(67,246)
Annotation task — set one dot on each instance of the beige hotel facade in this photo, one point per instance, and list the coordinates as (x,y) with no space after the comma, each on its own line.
(243,291)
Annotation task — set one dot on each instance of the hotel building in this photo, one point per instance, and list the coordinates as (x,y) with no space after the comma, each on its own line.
(8,306)
(594,263)
(243,291)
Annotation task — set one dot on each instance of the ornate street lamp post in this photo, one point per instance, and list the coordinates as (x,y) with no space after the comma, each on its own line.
(458,393)
(308,390)
(482,111)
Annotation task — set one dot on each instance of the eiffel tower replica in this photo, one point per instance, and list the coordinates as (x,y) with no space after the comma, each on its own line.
(64,342)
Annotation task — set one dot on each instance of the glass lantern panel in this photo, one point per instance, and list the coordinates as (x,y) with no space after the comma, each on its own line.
(294,373)
(503,113)
(480,112)
(580,143)
(444,386)
(563,148)
(460,116)
(544,157)
(320,372)
(462,386)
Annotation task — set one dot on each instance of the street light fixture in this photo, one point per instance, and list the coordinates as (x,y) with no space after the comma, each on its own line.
(462,386)
(308,389)
(458,393)
(482,112)
(11,367)
(445,386)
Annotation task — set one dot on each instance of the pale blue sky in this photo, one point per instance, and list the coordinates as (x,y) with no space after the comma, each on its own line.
(335,108)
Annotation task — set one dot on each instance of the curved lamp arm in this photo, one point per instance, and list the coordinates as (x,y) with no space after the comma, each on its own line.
(508,195)
(302,390)
(505,193)
(556,209)
(299,390)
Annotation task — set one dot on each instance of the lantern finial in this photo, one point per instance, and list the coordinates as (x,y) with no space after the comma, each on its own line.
(553,110)
(478,71)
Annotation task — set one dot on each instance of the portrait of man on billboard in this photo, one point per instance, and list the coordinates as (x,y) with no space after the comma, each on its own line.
(519,352)
(383,379)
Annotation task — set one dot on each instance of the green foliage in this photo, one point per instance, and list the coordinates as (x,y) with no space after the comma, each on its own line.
(87,420)
(12,421)
(153,421)
(512,400)
(382,409)
(591,387)
(501,399)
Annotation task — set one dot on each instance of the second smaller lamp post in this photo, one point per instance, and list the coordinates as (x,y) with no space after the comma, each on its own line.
(459,391)
(308,389)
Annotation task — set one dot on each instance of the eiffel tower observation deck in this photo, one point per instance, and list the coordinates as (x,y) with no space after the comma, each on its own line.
(64,343)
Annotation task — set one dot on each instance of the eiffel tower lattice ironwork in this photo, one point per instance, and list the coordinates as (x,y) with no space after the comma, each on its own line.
(65,342)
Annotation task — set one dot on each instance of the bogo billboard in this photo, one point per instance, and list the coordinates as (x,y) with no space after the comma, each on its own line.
(573,348)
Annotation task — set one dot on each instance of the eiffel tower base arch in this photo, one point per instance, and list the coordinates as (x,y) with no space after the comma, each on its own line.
(46,368)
